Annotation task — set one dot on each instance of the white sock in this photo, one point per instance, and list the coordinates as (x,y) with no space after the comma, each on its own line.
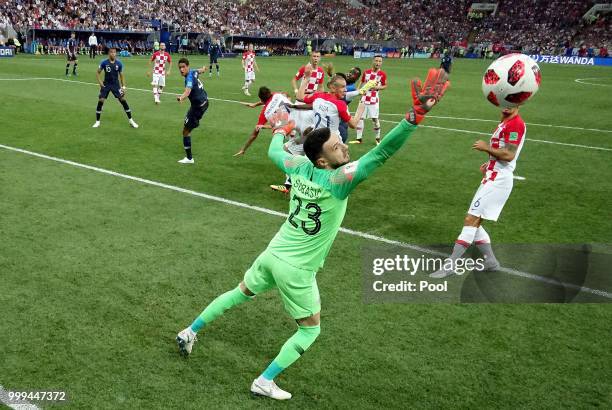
(463,242)
(481,236)
(376,128)
(466,237)
(359,129)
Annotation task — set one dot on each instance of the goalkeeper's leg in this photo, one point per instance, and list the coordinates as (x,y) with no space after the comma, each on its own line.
(187,337)
(308,331)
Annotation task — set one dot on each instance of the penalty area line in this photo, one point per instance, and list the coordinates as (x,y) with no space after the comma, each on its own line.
(267,211)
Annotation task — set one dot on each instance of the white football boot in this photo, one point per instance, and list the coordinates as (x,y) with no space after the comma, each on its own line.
(267,388)
(96,124)
(186,161)
(185,340)
(133,123)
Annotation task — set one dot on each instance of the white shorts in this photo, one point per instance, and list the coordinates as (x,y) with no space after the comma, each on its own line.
(490,199)
(371,111)
(303,119)
(159,80)
(249,76)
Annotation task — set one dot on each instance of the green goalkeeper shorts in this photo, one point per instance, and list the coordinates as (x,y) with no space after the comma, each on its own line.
(297,287)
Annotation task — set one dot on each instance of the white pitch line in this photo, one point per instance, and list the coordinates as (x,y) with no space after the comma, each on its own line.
(24,405)
(528,139)
(430,116)
(495,121)
(267,211)
(581,81)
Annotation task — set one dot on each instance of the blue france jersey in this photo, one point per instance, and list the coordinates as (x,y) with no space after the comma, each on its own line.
(71,45)
(111,72)
(198,94)
(214,50)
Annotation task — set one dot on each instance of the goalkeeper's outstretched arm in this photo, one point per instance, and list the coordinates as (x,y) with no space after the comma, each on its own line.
(424,97)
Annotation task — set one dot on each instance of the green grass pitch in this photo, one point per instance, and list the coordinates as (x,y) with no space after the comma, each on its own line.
(99,273)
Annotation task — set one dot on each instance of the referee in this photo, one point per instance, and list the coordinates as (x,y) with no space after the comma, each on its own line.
(93,45)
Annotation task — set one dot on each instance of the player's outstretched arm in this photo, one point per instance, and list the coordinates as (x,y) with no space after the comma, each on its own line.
(252,105)
(358,114)
(249,141)
(424,97)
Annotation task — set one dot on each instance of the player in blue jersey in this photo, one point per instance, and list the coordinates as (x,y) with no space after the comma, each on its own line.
(114,82)
(214,51)
(352,76)
(194,90)
(446,61)
(71,55)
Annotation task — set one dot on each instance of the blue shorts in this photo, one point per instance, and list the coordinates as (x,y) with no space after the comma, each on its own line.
(195,114)
(115,89)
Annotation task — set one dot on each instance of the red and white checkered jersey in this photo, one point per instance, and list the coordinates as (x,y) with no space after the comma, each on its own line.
(380,76)
(271,106)
(248,57)
(327,110)
(161,58)
(512,131)
(316,77)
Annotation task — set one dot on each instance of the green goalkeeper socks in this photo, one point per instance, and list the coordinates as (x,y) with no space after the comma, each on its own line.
(218,306)
(292,350)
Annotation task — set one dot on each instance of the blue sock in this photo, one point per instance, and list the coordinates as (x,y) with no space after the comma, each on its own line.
(272,371)
(187,146)
(198,324)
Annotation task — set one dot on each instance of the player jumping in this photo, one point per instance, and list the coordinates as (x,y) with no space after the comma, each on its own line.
(71,55)
(329,108)
(323,180)
(372,99)
(495,188)
(249,65)
(114,82)
(271,102)
(160,59)
(194,90)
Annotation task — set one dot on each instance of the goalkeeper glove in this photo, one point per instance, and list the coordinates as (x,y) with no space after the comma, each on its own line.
(368,86)
(425,96)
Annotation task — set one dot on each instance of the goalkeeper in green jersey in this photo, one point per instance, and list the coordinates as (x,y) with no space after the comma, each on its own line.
(322,182)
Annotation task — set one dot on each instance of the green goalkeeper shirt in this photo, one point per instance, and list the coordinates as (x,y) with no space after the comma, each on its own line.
(319,197)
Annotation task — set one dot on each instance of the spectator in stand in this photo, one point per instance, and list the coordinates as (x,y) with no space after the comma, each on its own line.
(546,26)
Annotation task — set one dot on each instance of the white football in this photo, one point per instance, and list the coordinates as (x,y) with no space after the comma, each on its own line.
(511,80)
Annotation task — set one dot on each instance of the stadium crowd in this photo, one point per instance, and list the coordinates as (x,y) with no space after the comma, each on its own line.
(546,26)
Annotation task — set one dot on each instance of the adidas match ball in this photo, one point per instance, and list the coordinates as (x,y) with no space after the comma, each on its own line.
(511,80)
